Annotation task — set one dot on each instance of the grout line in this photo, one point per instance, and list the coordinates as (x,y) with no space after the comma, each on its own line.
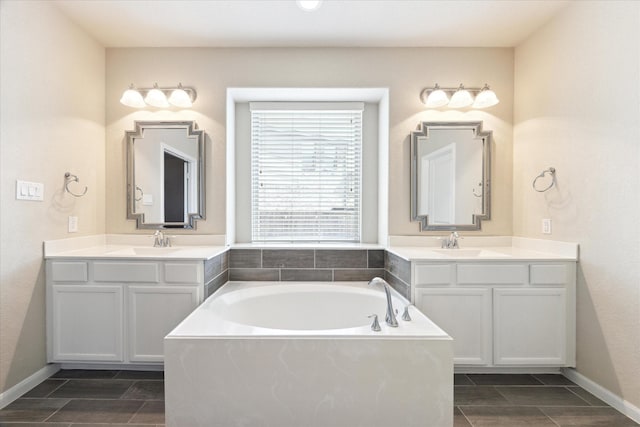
(588,403)
(57,410)
(464,415)
(51,392)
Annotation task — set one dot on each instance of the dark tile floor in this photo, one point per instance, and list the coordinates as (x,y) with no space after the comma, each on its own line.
(77,398)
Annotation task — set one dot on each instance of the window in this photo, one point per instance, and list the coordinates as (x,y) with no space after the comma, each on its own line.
(306,172)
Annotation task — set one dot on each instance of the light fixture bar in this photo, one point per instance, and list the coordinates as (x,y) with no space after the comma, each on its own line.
(141,102)
(434,97)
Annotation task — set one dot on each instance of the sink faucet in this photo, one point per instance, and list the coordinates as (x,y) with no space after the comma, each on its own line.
(160,240)
(390,318)
(452,241)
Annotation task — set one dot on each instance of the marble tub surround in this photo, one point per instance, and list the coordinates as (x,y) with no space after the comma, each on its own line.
(305,263)
(398,376)
(497,248)
(196,247)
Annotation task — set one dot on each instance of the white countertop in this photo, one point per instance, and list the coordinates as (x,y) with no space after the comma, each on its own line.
(504,248)
(197,247)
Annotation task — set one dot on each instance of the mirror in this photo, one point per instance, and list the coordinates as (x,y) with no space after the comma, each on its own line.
(165,174)
(450,175)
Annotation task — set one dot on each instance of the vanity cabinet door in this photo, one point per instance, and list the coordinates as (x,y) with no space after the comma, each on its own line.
(87,323)
(530,326)
(153,312)
(464,314)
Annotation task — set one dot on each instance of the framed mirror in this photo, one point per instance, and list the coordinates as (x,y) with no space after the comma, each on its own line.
(450,175)
(165,174)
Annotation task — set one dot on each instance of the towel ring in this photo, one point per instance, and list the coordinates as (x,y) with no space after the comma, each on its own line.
(551,171)
(141,194)
(473,190)
(69,177)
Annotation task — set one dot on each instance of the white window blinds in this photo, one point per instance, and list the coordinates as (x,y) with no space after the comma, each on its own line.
(306,174)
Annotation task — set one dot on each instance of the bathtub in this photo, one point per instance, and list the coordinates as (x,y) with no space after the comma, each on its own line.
(303,354)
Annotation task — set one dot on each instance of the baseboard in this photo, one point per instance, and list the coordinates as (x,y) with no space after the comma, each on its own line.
(612,399)
(113,366)
(27,384)
(504,370)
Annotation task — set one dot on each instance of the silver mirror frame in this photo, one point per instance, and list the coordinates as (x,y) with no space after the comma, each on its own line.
(130,136)
(479,133)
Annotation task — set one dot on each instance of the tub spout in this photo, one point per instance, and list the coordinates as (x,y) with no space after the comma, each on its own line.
(390,317)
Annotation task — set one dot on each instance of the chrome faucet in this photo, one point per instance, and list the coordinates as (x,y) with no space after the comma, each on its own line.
(160,240)
(390,317)
(452,241)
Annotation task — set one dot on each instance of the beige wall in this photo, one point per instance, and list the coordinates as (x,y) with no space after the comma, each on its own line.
(404,71)
(577,108)
(52,121)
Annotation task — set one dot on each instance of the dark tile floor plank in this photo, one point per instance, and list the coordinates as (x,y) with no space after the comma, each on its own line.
(553,379)
(477,395)
(31,410)
(585,395)
(461,379)
(84,373)
(459,420)
(152,412)
(503,379)
(93,389)
(587,417)
(38,425)
(97,411)
(540,396)
(45,388)
(506,416)
(140,375)
(146,390)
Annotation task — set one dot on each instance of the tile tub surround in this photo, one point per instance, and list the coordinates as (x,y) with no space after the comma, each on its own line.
(305,265)
(37,407)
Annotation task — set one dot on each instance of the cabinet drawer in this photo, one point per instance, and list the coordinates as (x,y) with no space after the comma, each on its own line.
(502,274)
(125,272)
(548,274)
(433,274)
(182,273)
(65,271)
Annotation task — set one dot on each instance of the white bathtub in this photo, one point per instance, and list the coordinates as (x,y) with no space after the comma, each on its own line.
(303,354)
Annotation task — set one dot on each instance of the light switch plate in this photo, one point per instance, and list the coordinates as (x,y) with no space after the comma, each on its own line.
(26,190)
(546,226)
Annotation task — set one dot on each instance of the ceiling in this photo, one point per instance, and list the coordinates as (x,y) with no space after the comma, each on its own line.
(337,23)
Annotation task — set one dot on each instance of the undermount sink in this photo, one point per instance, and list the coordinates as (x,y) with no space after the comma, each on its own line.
(460,253)
(146,251)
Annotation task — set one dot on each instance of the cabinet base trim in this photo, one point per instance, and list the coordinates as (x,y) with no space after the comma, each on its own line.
(506,370)
(13,393)
(617,402)
(117,366)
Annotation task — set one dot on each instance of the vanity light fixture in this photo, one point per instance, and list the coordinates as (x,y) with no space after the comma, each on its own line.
(460,97)
(179,96)
(486,98)
(156,98)
(132,98)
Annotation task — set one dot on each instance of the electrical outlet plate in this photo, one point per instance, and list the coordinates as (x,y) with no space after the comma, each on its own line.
(73,224)
(546,226)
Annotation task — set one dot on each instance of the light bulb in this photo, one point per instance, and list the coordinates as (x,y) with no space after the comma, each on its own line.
(132,98)
(437,98)
(486,98)
(461,98)
(309,5)
(156,98)
(180,98)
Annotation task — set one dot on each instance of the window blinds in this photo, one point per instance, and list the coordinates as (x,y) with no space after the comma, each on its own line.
(306,174)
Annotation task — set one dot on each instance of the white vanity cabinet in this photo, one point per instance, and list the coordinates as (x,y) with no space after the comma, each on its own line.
(117,311)
(501,313)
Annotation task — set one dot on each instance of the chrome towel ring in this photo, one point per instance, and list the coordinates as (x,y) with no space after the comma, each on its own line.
(551,171)
(68,178)
(141,194)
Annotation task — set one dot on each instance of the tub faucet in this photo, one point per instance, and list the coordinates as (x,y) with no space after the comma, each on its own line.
(452,241)
(390,318)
